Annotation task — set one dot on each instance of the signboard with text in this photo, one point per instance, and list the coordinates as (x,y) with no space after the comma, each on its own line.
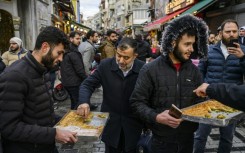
(175,5)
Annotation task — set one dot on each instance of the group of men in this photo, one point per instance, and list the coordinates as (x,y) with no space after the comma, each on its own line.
(134,93)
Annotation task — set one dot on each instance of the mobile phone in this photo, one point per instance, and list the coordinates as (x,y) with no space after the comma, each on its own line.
(175,111)
(231,44)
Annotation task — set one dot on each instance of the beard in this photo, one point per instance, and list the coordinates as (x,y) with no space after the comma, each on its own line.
(178,55)
(225,41)
(125,67)
(211,43)
(14,49)
(48,60)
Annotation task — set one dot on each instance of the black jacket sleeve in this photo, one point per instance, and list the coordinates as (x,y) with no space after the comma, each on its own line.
(89,85)
(229,94)
(141,96)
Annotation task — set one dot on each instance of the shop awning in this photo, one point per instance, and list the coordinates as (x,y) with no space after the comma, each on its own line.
(80,25)
(200,6)
(156,24)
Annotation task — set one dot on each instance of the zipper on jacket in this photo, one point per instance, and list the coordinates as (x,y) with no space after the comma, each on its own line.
(178,91)
(50,99)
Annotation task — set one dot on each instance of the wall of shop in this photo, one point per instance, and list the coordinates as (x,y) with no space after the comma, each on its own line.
(35,15)
(215,18)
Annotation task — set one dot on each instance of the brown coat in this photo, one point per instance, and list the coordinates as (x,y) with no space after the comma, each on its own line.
(107,50)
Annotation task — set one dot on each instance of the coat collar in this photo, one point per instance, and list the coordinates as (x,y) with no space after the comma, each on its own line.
(35,64)
(170,62)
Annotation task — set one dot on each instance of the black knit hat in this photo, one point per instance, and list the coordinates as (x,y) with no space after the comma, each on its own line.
(180,24)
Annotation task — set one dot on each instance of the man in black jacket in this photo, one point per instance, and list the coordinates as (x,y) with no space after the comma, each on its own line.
(143,48)
(241,37)
(26,105)
(72,69)
(171,79)
(117,76)
(229,94)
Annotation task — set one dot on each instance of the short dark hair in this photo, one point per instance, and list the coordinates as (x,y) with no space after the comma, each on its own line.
(138,37)
(228,21)
(53,36)
(73,34)
(90,34)
(109,32)
(211,33)
(126,43)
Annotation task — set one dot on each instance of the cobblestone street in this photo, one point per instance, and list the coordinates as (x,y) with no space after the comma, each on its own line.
(98,146)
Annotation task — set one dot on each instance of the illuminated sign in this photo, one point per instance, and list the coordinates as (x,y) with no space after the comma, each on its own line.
(176,5)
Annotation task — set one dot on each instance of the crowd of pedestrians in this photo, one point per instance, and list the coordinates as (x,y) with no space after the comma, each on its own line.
(140,80)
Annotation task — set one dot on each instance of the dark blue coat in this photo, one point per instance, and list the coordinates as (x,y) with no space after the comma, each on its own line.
(217,69)
(117,90)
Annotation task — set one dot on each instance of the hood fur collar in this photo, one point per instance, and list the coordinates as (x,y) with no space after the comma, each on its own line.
(178,25)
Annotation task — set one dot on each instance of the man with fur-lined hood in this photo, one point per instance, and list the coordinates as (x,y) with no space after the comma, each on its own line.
(171,79)
(15,52)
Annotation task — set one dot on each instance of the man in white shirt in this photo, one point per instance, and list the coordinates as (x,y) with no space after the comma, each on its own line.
(224,64)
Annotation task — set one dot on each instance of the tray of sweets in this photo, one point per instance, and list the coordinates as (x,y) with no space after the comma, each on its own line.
(88,129)
(211,112)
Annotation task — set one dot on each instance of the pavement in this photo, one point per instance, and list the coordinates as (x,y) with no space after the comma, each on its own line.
(99,147)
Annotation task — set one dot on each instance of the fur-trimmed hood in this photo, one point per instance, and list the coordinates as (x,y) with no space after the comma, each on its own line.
(178,25)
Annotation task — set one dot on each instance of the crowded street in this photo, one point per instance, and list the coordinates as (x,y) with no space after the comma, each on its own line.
(122,76)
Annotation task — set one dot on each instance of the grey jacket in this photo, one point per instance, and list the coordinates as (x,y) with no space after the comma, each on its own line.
(88,51)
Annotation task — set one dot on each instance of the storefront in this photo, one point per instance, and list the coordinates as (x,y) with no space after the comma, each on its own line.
(223,10)
(74,26)
(177,8)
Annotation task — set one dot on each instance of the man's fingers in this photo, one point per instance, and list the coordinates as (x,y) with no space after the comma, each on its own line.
(86,111)
(80,111)
(73,139)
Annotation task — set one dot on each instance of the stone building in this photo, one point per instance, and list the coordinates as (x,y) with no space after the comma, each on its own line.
(23,19)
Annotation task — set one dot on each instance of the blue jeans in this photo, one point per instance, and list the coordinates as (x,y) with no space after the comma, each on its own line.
(74,95)
(181,143)
(226,137)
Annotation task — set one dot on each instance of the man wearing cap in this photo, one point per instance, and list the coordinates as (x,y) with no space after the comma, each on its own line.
(15,52)
(168,80)
(242,35)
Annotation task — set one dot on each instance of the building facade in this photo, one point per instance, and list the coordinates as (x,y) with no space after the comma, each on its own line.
(23,18)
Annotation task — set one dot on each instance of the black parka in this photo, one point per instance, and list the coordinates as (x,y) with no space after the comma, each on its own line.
(159,86)
(26,108)
(72,67)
